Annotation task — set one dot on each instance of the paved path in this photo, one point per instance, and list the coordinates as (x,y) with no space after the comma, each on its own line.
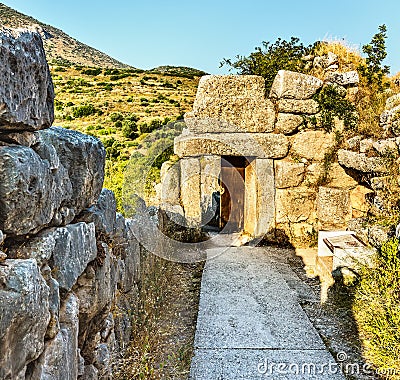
(250,323)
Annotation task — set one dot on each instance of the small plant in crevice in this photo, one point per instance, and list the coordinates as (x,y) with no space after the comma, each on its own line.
(333,104)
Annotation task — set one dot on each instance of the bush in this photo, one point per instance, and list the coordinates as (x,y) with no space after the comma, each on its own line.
(270,58)
(129,129)
(377,309)
(94,72)
(332,104)
(85,110)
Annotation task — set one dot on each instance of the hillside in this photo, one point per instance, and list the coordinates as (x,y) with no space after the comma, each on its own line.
(59,46)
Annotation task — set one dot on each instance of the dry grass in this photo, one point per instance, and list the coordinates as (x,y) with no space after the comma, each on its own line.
(162,339)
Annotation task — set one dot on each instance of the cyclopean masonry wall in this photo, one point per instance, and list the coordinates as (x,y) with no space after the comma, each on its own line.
(284,195)
(69,264)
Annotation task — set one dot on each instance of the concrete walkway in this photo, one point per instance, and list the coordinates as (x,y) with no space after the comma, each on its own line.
(250,323)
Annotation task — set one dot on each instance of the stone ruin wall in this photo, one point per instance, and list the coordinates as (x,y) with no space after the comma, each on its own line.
(69,264)
(232,115)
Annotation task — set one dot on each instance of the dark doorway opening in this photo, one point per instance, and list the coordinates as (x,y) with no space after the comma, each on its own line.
(232,198)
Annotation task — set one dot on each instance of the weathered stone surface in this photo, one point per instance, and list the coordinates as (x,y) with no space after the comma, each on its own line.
(190,189)
(97,286)
(59,359)
(392,102)
(231,103)
(26,88)
(334,207)
(209,187)
(288,173)
(287,123)
(326,61)
(366,145)
(24,310)
(170,180)
(293,85)
(362,163)
(312,145)
(295,205)
(31,193)
(67,249)
(19,138)
(338,177)
(90,373)
(344,79)
(308,106)
(386,147)
(238,144)
(102,214)
(51,183)
(359,202)
(259,214)
(390,119)
(354,142)
(84,158)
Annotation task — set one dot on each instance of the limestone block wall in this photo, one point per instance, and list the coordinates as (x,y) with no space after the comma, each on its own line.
(291,192)
(69,264)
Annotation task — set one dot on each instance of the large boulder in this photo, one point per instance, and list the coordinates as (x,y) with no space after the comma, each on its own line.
(59,359)
(293,85)
(68,250)
(50,183)
(231,103)
(362,163)
(298,106)
(24,310)
(26,88)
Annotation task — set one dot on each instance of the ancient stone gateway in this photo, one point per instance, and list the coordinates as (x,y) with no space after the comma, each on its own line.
(252,162)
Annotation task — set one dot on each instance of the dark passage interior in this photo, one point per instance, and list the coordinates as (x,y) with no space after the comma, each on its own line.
(232,181)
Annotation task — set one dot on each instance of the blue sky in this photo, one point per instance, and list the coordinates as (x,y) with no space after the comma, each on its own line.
(199,34)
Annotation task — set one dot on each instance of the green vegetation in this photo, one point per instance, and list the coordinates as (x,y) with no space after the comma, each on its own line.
(128,109)
(372,70)
(270,58)
(334,104)
(377,310)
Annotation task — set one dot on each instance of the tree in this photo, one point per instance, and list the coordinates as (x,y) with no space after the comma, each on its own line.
(372,70)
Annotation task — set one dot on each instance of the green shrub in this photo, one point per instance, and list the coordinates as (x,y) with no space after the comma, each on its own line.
(377,309)
(116,116)
(92,71)
(333,104)
(270,58)
(129,129)
(84,110)
(372,70)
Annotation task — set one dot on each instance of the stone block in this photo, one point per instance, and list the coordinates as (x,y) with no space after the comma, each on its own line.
(295,205)
(338,177)
(59,359)
(307,107)
(26,88)
(50,183)
(287,123)
(392,102)
(190,190)
(312,145)
(334,207)
(209,187)
(170,183)
(231,103)
(288,173)
(349,78)
(359,201)
(293,85)
(362,163)
(24,310)
(227,144)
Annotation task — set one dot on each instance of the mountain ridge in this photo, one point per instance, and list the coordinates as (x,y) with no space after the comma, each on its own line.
(60,48)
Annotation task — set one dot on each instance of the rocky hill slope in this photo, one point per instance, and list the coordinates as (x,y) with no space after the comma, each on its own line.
(59,46)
